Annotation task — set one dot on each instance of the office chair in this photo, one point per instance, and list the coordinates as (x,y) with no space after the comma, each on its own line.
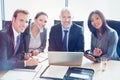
(80,23)
(115,25)
(6,24)
(76,22)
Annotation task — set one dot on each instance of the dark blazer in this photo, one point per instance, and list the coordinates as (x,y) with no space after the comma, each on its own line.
(75,42)
(9,59)
(43,37)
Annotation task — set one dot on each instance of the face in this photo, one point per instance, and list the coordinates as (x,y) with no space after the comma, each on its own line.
(65,19)
(96,21)
(41,21)
(20,22)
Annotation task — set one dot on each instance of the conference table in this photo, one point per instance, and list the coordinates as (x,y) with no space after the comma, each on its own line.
(112,71)
(2,73)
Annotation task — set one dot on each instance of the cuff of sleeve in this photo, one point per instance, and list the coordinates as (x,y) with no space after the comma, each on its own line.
(97,60)
(24,63)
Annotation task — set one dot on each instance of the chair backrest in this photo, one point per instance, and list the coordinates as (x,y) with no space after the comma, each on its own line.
(115,25)
(77,22)
(7,24)
(80,23)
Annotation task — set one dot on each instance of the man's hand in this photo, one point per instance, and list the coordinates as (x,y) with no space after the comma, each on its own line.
(32,62)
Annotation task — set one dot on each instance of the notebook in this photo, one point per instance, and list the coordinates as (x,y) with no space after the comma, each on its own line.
(54,72)
(65,58)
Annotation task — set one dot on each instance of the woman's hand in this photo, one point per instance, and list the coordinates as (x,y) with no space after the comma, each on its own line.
(97,52)
(35,52)
(27,56)
(90,57)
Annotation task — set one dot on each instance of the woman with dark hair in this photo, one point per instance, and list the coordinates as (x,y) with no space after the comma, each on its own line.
(103,39)
(35,35)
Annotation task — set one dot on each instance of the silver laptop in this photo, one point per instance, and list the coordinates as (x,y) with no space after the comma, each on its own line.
(65,58)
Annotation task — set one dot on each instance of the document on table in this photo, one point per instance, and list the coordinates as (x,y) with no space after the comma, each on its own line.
(41,57)
(81,76)
(19,75)
(55,72)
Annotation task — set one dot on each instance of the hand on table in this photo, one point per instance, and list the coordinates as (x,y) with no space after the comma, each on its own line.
(92,58)
(35,52)
(27,56)
(97,52)
(32,62)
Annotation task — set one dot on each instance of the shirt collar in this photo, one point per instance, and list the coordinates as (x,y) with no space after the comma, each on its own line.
(41,30)
(66,28)
(15,32)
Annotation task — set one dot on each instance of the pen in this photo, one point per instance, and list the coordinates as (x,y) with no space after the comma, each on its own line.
(26,70)
(42,60)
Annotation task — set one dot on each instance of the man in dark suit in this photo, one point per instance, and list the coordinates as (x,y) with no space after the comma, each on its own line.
(74,39)
(12,52)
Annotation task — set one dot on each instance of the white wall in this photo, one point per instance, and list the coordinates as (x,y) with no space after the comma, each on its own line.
(0,22)
(81,10)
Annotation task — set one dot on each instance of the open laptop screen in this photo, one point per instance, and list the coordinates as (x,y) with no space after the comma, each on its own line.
(65,58)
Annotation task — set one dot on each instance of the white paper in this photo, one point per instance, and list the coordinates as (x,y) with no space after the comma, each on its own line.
(82,76)
(55,71)
(41,57)
(18,75)
(25,70)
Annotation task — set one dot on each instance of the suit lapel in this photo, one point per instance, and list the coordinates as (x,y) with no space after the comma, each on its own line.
(11,40)
(59,37)
(27,41)
(71,36)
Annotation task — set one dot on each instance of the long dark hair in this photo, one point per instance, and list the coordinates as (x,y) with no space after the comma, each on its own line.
(92,28)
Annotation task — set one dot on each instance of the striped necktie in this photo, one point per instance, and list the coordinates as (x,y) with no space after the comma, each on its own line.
(17,44)
(65,40)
